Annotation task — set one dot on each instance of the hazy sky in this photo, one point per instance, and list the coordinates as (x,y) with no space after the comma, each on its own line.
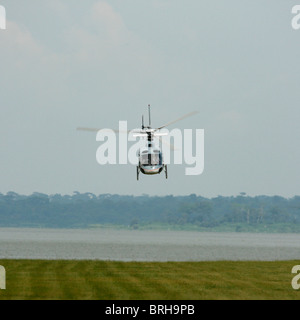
(65,64)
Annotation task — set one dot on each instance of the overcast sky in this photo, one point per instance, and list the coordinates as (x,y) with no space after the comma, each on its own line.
(65,64)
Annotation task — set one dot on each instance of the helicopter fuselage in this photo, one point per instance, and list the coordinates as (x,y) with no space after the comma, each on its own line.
(151,160)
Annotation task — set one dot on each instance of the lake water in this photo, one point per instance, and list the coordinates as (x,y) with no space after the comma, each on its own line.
(138,245)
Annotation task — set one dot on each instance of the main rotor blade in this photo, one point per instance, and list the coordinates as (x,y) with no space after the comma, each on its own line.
(106,129)
(88,129)
(181,118)
(172,147)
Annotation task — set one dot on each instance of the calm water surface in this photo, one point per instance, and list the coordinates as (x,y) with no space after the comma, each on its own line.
(137,245)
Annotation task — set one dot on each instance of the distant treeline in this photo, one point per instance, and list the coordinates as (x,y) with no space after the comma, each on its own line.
(86,209)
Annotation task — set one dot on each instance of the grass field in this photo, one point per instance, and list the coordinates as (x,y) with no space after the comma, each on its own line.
(106,280)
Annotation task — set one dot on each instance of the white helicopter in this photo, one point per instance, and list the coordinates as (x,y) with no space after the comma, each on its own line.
(150,156)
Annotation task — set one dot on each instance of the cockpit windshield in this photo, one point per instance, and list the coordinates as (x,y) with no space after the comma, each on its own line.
(151,159)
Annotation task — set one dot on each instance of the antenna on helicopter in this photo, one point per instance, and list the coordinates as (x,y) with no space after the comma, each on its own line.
(149,116)
(143,122)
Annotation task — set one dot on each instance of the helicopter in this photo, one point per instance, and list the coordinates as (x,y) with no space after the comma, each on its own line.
(150,157)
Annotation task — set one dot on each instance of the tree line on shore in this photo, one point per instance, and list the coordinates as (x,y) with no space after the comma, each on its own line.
(88,209)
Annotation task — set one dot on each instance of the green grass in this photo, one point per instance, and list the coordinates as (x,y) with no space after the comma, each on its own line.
(105,280)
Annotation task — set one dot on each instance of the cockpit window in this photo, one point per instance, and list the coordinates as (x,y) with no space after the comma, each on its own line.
(152,159)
